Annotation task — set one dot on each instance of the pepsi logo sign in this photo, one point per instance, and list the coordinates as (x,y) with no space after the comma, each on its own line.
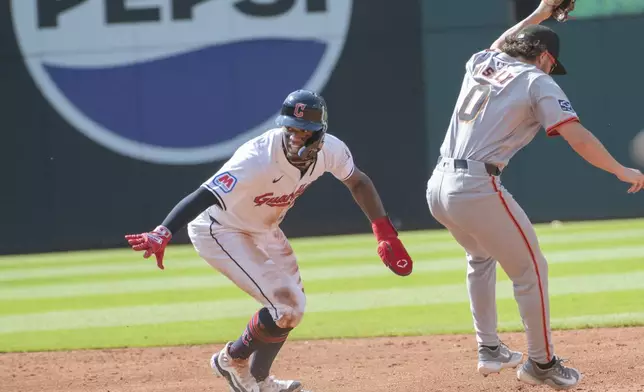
(177,81)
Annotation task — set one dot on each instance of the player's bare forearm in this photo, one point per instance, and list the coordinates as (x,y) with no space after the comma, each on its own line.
(542,13)
(365,195)
(390,249)
(589,147)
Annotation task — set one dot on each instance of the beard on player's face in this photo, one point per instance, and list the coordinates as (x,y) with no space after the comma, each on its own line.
(294,140)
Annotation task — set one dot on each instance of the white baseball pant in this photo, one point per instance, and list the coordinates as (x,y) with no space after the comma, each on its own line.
(263,265)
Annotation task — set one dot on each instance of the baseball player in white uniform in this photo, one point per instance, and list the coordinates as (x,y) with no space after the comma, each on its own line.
(233,222)
(507,96)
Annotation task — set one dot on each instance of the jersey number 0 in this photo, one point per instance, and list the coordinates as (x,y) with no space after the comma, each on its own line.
(474,101)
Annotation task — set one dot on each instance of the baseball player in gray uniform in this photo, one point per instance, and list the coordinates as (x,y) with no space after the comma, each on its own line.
(507,96)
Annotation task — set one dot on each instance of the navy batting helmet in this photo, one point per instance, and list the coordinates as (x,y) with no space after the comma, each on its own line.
(305,110)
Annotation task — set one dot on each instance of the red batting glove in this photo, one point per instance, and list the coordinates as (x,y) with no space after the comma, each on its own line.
(390,249)
(153,243)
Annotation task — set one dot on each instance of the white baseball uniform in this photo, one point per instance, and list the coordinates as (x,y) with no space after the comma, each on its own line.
(502,105)
(242,240)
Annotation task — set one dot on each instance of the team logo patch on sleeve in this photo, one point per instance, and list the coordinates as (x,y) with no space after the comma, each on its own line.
(566,106)
(225,181)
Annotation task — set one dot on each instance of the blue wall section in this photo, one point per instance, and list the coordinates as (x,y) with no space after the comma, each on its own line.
(390,97)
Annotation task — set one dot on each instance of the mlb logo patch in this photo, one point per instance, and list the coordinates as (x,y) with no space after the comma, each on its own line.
(225,182)
(566,106)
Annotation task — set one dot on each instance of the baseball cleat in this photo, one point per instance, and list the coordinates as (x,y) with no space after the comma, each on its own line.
(272,384)
(235,371)
(492,361)
(557,376)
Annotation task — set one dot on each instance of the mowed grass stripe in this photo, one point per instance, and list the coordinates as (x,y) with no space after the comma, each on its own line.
(178,280)
(188,266)
(95,277)
(321,249)
(587,309)
(318,302)
(139,266)
(104,256)
(223,289)
(418,248)
(195,267)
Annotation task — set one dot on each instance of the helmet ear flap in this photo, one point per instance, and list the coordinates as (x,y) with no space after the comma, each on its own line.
(312,146)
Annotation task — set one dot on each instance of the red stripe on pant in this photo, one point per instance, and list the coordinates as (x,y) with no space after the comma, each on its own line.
(258,332)
(534,262)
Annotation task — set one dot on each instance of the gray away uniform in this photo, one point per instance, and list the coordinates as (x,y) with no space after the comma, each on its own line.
(502,105)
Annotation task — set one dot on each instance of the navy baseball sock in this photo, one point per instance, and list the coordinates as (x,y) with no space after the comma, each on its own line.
(260,366)
(259,332)
(265,355)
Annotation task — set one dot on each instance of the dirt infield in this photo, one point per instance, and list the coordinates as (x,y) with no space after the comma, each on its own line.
(611,360)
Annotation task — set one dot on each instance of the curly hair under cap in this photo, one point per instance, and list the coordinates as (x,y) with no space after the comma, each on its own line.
(516,47)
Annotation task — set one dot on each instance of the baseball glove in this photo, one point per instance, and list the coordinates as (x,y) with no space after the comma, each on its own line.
(561,9)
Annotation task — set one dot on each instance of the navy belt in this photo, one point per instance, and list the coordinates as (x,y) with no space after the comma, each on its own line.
(491,169)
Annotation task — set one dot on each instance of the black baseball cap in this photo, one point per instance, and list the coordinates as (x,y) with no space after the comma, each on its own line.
(548,37)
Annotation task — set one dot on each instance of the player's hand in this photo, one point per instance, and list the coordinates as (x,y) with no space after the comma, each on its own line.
(546,7)
(153,243)
(391,251)
(633,177)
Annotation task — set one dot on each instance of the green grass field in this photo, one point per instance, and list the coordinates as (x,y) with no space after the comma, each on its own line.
(116,298)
